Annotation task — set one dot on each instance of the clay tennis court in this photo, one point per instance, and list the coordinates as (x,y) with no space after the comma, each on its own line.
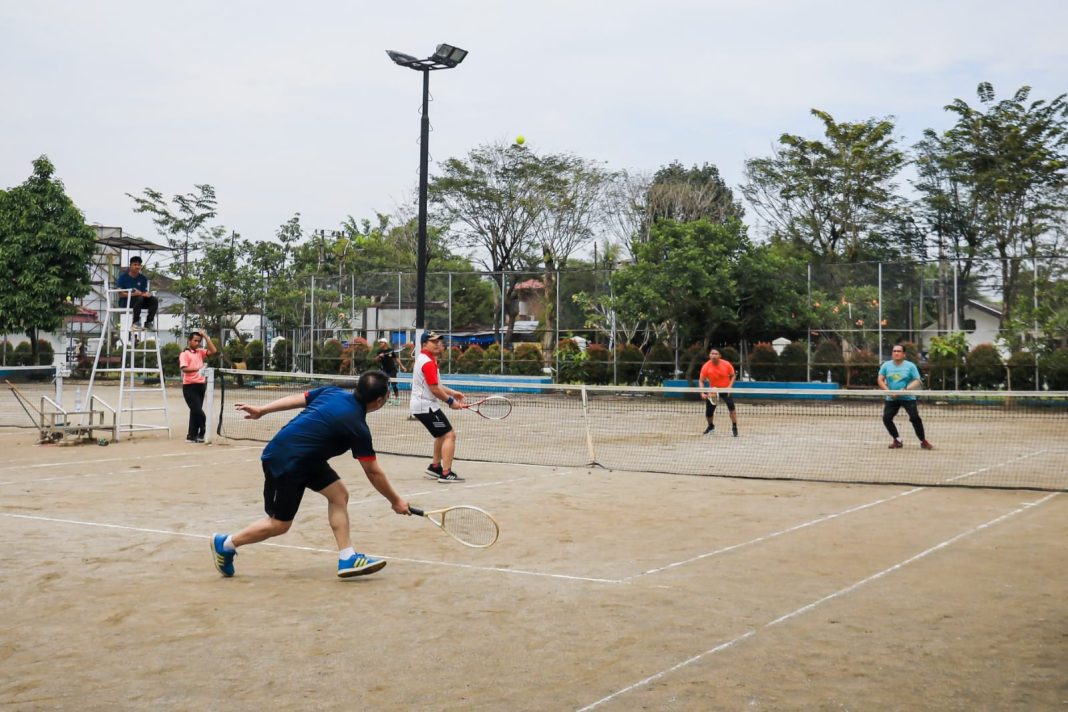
(610,590)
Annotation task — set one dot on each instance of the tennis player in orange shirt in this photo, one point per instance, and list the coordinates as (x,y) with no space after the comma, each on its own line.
(718,373)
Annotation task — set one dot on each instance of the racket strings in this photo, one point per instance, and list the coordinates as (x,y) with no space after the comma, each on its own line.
(495,408)
(470,525)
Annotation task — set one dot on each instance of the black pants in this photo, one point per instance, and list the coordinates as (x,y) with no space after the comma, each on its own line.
(393,384)
(139,303)
(890,409)
(194,398)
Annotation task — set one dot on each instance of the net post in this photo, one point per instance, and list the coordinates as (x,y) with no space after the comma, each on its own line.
(209,403)
(586,423)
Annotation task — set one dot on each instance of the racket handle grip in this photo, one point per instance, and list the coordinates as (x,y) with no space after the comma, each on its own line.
(415,510)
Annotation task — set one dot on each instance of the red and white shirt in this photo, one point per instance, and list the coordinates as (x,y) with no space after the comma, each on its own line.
(424,375)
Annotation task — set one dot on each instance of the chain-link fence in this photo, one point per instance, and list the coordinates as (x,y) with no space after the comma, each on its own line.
(980,324)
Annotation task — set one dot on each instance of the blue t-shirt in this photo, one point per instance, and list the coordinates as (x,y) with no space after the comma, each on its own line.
(332,422)
(899,377)
(125,281)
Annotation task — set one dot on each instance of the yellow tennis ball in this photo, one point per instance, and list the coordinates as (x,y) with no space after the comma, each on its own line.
(69,298)
(520,140)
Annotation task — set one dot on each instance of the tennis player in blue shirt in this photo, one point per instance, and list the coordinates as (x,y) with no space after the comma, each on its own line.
(897,374)
(333,421)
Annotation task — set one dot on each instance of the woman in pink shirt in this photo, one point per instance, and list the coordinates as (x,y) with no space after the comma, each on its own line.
(194,384)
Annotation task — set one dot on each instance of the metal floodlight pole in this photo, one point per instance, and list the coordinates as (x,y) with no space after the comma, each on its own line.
(424,161)
(444,57)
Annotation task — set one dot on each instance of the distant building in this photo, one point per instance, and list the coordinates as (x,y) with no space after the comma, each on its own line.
(980,324)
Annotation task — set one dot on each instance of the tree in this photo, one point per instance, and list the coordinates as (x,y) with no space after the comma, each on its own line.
(699,280)
(224,284)
(835,199)
(499,198)
(626,209)
(574,199)
(190,214)
(996,182)
(689,194)
(46,248)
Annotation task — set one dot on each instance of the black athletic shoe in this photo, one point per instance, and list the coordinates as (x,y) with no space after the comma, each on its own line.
(434,472)
(709,430)
(734,431)
(451,477)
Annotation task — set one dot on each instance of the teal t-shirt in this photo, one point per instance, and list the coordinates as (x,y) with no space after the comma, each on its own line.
(898,377)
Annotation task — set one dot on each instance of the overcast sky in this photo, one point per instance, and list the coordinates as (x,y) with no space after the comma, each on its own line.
(288,107)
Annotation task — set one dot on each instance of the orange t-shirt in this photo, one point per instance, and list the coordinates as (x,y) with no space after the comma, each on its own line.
(718,375)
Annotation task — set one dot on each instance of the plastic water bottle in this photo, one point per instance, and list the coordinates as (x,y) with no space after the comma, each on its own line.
(78,400)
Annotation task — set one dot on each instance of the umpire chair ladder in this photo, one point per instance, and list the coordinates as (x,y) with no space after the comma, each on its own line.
(136,362)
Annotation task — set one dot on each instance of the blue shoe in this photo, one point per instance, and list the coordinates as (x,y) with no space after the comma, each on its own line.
(359,565)
(224,560)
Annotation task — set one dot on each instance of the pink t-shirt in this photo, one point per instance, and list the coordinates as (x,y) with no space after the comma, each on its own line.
(195,359)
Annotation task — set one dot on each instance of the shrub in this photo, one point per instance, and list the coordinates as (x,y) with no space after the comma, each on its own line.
(169,354)
(357,357)
(947,359)
(793,362)
(763,362)
(828,359)
(254,355)
(328,357)
(597,368)
(447,362)
(571,362)
(863,368)
(1021,368)
(628,363)
(1055,369)
(491,362)
(407,356)
(527,360)
(234,352)
(912,352)
(692,358)
(985,369)
(24,354)
(471,359)
(659,364)
(728,354)
(282,355)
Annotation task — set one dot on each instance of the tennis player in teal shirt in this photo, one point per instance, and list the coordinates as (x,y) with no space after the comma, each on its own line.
(899,374)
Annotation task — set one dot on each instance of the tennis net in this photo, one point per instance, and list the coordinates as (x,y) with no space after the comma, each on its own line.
(32,382)
(981,439)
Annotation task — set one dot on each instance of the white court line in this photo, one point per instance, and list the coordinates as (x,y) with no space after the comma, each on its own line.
(105,459)
(820,520)
(767,537)
(189,535)
(818,602)
(991,467)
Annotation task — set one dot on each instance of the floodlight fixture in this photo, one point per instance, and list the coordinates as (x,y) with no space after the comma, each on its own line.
(445,57)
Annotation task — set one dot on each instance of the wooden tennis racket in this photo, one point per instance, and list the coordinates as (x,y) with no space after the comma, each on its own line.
(470,526)
(491,408)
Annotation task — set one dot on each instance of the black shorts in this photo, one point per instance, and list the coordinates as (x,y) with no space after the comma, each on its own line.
(710,404)
(435,423)
(282,495)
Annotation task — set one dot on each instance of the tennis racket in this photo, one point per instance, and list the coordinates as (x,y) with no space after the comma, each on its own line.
(492,408)
(470,526)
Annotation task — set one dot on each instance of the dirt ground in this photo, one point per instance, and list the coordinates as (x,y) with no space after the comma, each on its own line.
(608,590)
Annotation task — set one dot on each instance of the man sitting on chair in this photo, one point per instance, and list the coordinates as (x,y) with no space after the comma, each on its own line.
(135,294)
